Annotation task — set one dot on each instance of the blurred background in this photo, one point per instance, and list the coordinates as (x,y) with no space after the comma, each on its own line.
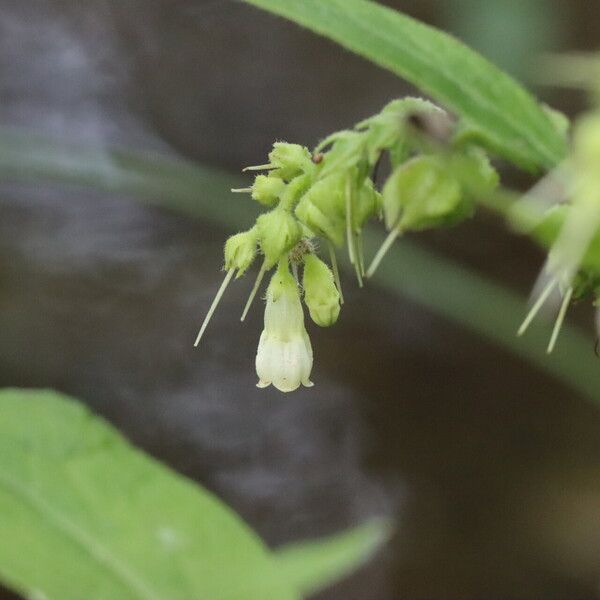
(489,465)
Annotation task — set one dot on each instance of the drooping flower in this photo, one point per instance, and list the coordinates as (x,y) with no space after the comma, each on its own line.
(284,357)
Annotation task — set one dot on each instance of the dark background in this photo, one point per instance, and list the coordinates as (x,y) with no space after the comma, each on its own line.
(490,468)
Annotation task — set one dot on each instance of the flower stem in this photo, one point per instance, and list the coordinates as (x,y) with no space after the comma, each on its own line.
(383,250)
(214,305)
(560,319)
(538,304)
(255,288)
(336,272)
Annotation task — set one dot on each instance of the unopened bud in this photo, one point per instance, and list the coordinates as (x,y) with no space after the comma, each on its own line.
(290,160)
(320,293)
(240,250)
(278,232)
(422,193)
(267,190)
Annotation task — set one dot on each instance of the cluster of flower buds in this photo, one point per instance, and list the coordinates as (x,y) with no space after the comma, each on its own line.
(328,196)
(570,229)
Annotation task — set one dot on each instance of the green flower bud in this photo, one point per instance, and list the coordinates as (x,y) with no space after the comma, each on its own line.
(320,293)
(322,208)
(290,160)
(240,250)
(422,193)
(278,232)
(267,190)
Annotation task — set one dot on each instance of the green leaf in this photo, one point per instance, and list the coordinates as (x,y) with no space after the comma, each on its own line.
(84,515)
(310,566)
(497,112)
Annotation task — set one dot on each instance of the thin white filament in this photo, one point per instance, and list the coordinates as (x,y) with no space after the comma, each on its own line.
(349,237)
(560,319)
(336,272)
(538,304)
(214,305)
(254,291)
(360,252)
(383,250)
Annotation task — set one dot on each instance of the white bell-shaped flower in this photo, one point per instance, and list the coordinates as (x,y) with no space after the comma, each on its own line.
(284,357)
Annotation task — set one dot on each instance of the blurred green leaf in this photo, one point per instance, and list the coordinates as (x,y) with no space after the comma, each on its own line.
(310,566)
(173,184)
(497,112)
(510,33)
(84,515)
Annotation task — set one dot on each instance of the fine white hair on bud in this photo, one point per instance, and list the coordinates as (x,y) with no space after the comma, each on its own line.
(284,357)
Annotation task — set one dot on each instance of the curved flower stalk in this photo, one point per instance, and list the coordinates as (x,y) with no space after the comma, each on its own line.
(284,357)
(330,194)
